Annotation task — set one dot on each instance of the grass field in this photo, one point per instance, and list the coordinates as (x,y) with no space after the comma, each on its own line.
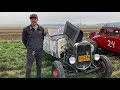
(13,61)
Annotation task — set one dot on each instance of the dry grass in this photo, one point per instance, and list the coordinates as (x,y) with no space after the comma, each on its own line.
(95,29)
(15,32)
(11,71)
(12,33)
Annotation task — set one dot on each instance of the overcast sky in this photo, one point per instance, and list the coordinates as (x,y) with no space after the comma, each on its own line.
(59,17)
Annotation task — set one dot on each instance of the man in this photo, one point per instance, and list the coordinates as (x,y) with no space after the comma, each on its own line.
(33,37)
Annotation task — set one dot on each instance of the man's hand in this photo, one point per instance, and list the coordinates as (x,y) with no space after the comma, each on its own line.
(45,34)
(24,37)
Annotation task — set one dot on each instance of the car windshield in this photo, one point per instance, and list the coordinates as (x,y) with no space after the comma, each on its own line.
(112,32)
(55,31)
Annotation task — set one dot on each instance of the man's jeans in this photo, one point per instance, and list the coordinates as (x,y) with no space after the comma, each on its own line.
(30,59)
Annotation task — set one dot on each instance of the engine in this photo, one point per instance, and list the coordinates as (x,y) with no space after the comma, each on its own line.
(78,52)
(79,55)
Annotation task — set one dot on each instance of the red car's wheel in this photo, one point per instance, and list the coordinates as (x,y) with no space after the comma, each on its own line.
(58,70)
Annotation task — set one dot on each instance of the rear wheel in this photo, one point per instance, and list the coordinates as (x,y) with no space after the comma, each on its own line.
(94,47)
(105,67)
(58,70)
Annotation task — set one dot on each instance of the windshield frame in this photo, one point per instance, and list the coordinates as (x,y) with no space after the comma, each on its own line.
(54,31)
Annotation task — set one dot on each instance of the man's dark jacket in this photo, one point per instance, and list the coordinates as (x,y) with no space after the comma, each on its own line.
(33,39)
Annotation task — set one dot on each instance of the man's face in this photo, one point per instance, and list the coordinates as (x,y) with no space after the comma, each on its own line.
(34,21)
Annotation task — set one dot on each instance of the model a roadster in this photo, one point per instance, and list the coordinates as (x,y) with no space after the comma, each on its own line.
(74,55)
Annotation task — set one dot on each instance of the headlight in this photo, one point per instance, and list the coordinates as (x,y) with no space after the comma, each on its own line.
(96,57)
(72,60)
(76,44)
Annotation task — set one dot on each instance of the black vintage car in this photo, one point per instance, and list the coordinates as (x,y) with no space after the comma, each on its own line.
(76,55)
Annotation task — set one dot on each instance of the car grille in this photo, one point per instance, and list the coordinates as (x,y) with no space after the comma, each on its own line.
(83,50)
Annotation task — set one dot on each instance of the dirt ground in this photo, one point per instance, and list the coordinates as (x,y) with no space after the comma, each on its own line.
(15,33)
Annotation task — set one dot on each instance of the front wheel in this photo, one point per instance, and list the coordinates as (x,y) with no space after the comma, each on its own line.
(105,67)
(58,70)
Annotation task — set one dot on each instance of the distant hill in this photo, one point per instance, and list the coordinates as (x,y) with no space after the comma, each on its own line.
(62,25)
(100,24)
(56,25)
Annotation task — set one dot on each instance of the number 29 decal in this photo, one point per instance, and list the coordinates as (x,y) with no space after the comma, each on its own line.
(111,44)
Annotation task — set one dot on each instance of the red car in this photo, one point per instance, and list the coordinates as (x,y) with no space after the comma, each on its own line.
(108,38)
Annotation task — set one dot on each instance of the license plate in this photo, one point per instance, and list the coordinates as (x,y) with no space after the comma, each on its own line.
(83,58)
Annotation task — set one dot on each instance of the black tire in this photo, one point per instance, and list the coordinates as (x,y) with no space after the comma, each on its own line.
(58,68)
(105,67)
(95,47)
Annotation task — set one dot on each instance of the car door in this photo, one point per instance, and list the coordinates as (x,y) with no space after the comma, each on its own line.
(103,40)
(111,40)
